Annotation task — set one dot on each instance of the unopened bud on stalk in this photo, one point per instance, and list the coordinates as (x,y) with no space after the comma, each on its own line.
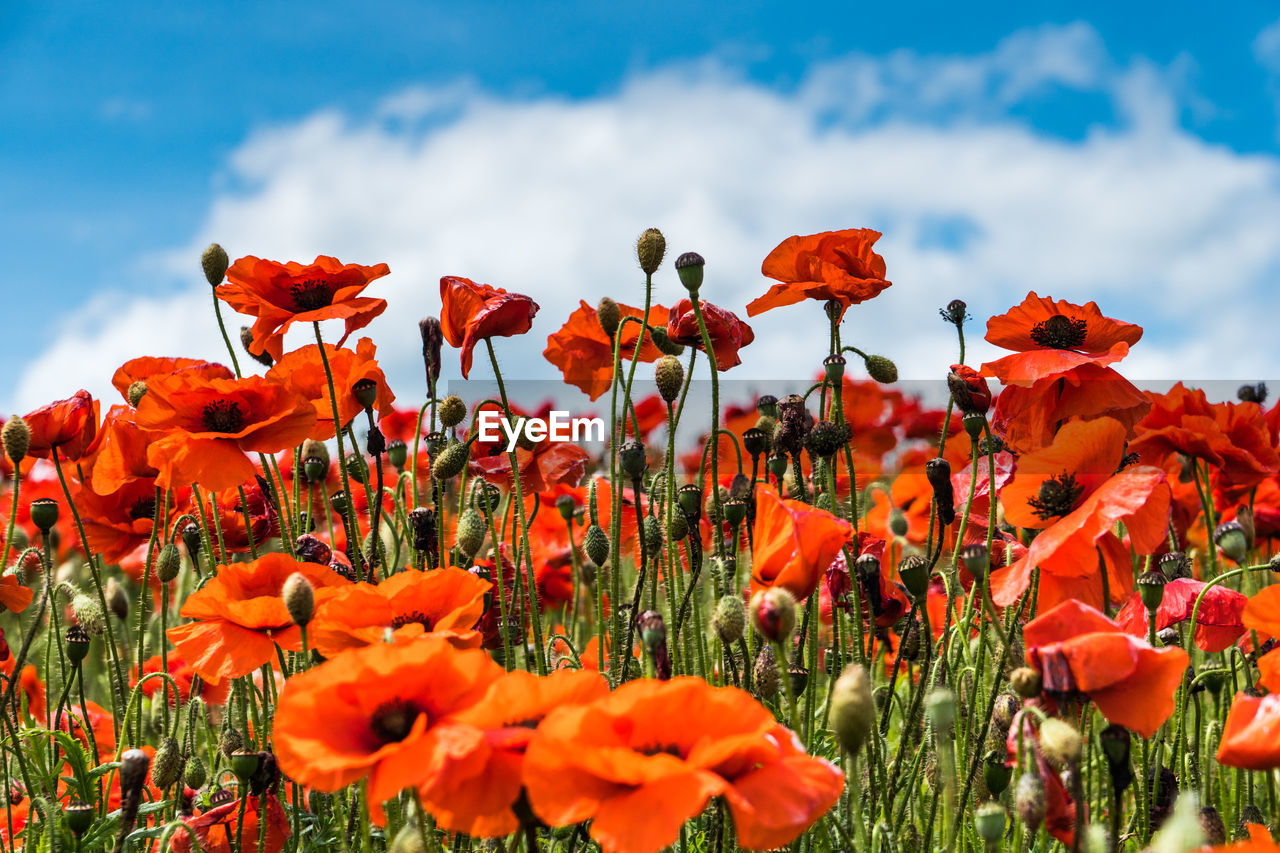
(167,766)
(938,472)
(668,373)
(765,674)
(989,821)
(773,614)
(897,522)
(940,706)
(191,538)
(730,619)
(230,742)
(652,531)
(677,525)
(853,710)
(168,563)
(595,544)
(214,262)
(451,461)
(663,342)
(826,438)
(1030,801)
(1230,538)
(471,532)
(16,436)
(650,249)
(88,614)
(1026,682)
(299,598)
(1212,826)
(452,411)
(246,340)
(881,369)
(1060,743)
(133,776)
(689,267)
(432,341)
(609,315)
(995,773)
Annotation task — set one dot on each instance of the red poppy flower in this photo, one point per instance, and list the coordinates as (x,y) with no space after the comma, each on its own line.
(833,265)
(638,771)
(1052,481)
(184,675)
(584,353)
(68,426)
(794,544)
(1060,809)
(1269,670)
(241,618)
(473,312)
(969,389)
(231,517)
(1219,622)
(1027,418)
(1251,736)
(1050,337)
(728,334)
(547,464)
(1079,651)
(280,295)
(145,367)
(119,522)
(14,597)
(1262,611)
(303,372)
(218,828)
(212,423)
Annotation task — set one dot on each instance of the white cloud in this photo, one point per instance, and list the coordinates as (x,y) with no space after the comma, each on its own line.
(545,196)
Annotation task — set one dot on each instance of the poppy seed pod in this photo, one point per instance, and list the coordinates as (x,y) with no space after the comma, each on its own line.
(44,513)
(668,373)
(595,544)
(609,316)
(1061,743)
(955,313)
(1174,565)
(451,461)
(755,441)
(311,549)
(914,571)
(168,563)
(650,250)
(299,598)
(1230,538)
(881,369)
(397,453)
(634,461)
(735,511)
(995,773)
(833,366)
(356,468)
(689,267)
(773,614)
(976,559)
(244,764)
(853,710)
(689,497)
(471,532)
(765,673)
(989,821)
(1030,801)
(729,619)
(79,817)
(1115,742)
(16,436)
(1151,590)
(214,262)
(77,644)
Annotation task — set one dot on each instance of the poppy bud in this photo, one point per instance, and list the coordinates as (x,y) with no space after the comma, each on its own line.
(668,373)
(650,249)
(422,521)
(168,563)
(940,706)
(397,453)
(1003,711)
(826,438)
(133,776)
(1230,538)
(976,559)
(408,840)
(44,514)
(995,773)
(88,614)
(451,461)
(773,614)
(652,531)
(191,538)
(609,315)
(689,267)
(167,765)
(471,532)
(16,436)
(79,817)
(1162,793)
(214,262)
(432,340)
(77,644)
(595,544)
(853,710)
(1030,801)
(867,569)
(729,619)
(299,598)
(1060,743)
(1026,682)
(969,389)
(765,673)
(677,526)
(1249,814)
(452,411)
(1252,393)
(881,369)
(246,340)
(632,456)
(1151,590)
(1212,827)
(663,342)
(989,821)
(938,473)
(914,571)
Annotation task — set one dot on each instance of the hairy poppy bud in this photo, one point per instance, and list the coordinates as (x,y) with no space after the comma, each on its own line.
(246,340)
(650,249)
(897,522)
(299,598)
(214,262)
(663,342)
(938,473)
(826,438)
(853,710)
(230,742)
(471,532)
(168,563)
(1030,801)
(16,436)
(1174,565)
(1212,826)
(773,614)
(133,776)
(989,821)
(677,526)
(167,765)
(196,773)
(1115,742)
(729,619)
(940,707)
(1026,682)
(88,614)
(595,544)
(1249,814)
(609,316)
(881,369)
(668,373)
(1060,743)
(451,461)
(689,267)
(1230,538)
(765,673)
(452,411)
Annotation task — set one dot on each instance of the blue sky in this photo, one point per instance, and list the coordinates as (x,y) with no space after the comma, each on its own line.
(135,128)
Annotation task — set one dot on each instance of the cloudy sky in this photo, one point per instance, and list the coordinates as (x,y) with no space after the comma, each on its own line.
(1129,158)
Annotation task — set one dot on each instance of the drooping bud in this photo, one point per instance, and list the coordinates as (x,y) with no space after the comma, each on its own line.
(609,315)
(773,614)
(246,340)
(668,373)
(677,525)
(230,742)
(1230,538)
(897,522)
(432,341)
(1061,743)
(853,709)
(730,619)
(595,544)
(451,461)
(471,532)
(195,774)
(214,262)
(689,267)
(299,598)
(881,369)
(1115,742)
(938,473)
(652,532)
(1030,801)
(133,776)
(1252,393)
(663,342)
(650,250)
(16,436)
(191,539)
(168,563)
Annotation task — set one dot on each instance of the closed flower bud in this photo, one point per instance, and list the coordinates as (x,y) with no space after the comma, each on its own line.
(773,614)
(191,539)
(764,673)
(1230,538)
(168,563)
(166,767)
(451,461)
(1212,827)
(940,706)
(650,249)
(663,342)
(826,438)
(1003,711)
(230,742)
(432,340)
(88,614)
(16,436)
(881,369)
(1060,742)
(471,532)
(195,774)
(853,710)
(730,619)
(938,473)
(452,411)
(133,775)
(897,522)
(595,544)
(1030,802)
(989,821)
(214,262)
(689,267)
(668,373)
(652,532)
(1026,682)
(246,340)
(969,390)
(299,598)
(609,315)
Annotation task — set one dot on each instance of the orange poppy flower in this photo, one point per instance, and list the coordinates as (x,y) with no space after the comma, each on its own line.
(1269,670)
(1050,337)
(212,423)
(547,464)
(1219,621)
(1251,736)
(1027,418)
(584,353)
(69,426)
(381,711)
(639,771)
(14,597)
(240,618)
(280,295)
(1067,553)
(218,827)
(1259,841)
(446,602)
(1262,611)
(472,312)
(119,455)
(302,371)
(264,524)
(1080,651)
(482,774)
(119,522)
(183,675)
(794,544)
(1052,481)
(833,265)
(728,334)
(145,367)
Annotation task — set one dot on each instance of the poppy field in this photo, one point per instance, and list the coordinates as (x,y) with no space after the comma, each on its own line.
(276,604)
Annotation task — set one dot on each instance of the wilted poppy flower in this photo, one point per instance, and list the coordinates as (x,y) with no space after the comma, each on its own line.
(1219,621)
(303,372)
(482,774)
(728,334)
(231,512)
(835,266)
(639,771)
(1028,418)
(794,544)
(1051,482)
(218,828)
(379,712)
(1251,736)
(1050,337)
(280,295)
(1079,651)
(472,312)
(67,426)
(241,618)
(584,353)
(446,602)
(969,389)
(212,423)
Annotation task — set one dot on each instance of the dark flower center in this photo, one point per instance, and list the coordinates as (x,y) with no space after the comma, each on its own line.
(143,508)
(1058,496)
(392,721)
(223,416)
(661,749)
(1060,332)
(311,294)
(417,617)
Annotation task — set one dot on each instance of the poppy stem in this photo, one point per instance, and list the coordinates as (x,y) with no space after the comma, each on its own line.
(354,551)
(222,327)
